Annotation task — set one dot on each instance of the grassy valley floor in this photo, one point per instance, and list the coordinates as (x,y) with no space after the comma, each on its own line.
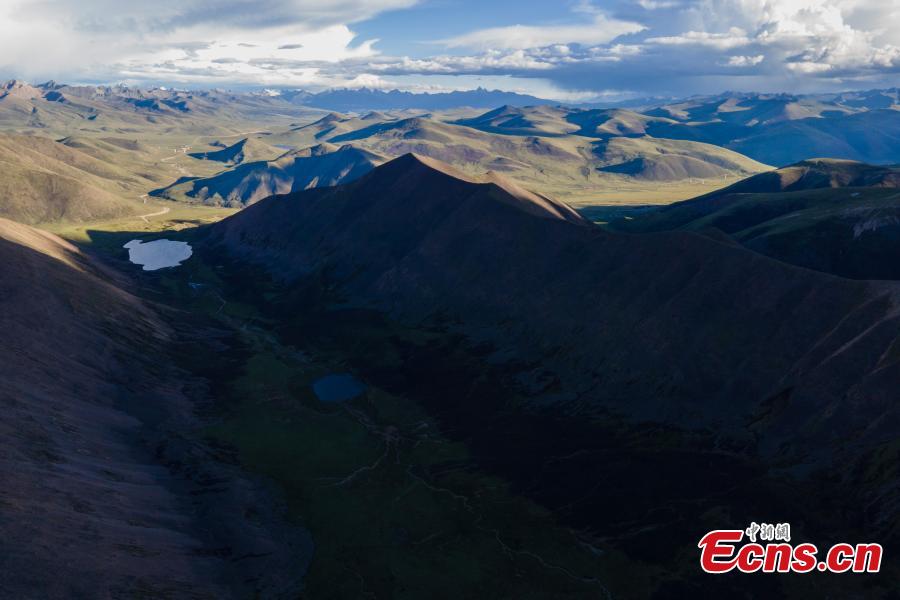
(394,506)
(435,482)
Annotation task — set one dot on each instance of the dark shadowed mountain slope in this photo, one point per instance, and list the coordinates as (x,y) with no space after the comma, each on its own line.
(841,217)
(106,490)
(654,386)
(817,173)
(653,327)
(319,166)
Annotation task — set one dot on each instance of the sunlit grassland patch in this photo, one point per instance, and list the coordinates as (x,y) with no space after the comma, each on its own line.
(105,235)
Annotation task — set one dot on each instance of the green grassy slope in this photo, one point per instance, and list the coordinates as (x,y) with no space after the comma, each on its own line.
(45,181)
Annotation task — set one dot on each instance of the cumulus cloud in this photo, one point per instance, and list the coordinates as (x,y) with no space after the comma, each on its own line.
(808,36)
(185,40)
(160,16)
(691,46)
(744,61)
(655,46)
(733,38)
(600,30)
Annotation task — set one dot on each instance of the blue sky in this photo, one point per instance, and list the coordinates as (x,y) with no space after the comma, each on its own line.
(567,50)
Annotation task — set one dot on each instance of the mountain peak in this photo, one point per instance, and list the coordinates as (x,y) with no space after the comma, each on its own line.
(414,160)
(332,117)
(512,193)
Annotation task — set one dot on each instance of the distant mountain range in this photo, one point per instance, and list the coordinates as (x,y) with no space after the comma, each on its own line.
(364,99)
(773,129)
(163,100)
(548,161)
(60,110)
(578,154)
(574,153)
(361,100)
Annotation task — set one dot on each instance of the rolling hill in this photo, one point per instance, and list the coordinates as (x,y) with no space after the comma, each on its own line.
(613,122)
(321,165)
(243,151)
(783,129)
(841,217)
(50,182)
(654,159)
(331,124)
(776,129)
(768,128)
(553,161)
(57,110)
(511,120)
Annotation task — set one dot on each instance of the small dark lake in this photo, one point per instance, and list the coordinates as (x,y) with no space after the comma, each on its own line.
(338,387)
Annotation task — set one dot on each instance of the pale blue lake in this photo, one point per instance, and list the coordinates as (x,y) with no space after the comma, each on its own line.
(158,254)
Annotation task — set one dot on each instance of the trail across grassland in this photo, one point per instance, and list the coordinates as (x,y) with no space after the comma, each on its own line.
(154,214)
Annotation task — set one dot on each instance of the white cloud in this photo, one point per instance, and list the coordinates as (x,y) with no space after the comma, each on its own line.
(804,33)
(519,37)
(135,17)
(185,40)
(657,4)
(657,46)
(367,80)
(534,60)
(806,67)
(744,61)
(733,38)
